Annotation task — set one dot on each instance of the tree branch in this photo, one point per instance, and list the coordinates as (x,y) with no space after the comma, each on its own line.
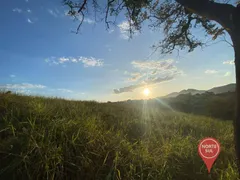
(83,6)
(80,24)
(107,11)
(218,12)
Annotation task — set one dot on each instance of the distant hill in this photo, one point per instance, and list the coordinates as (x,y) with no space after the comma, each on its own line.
(215,90)
(191,91)
(223,89)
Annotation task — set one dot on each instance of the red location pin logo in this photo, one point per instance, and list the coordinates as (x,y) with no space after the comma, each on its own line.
(209,149)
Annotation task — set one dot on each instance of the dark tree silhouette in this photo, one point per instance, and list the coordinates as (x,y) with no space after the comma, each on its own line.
(177,18)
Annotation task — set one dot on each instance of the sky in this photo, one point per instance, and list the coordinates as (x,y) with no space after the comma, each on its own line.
(41,55)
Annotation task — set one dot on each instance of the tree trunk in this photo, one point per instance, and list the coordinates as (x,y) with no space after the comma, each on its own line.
(237,118)
(235,36)
(236,44)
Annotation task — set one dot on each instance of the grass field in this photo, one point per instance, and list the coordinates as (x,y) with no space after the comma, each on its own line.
(58,139)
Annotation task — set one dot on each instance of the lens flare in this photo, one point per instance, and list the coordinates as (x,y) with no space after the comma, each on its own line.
(146,92)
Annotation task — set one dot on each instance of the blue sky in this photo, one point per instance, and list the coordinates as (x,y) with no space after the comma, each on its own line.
(41,56)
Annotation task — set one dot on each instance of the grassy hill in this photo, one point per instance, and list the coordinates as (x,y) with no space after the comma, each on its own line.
(58,139)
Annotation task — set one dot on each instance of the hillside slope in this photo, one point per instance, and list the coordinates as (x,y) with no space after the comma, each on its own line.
(191,91)
(58,139)
(216,90)
(223,89)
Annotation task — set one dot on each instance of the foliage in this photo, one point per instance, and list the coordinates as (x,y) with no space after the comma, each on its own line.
(220,106)
(58,139)
(177,18)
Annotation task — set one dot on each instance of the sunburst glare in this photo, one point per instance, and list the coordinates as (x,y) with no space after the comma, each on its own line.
(146,92)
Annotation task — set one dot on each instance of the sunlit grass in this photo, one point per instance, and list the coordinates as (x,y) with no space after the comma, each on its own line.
(57,139)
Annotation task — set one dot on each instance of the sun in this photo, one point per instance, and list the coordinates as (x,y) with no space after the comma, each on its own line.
(146,92)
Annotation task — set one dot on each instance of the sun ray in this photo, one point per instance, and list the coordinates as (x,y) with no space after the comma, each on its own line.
(164,104)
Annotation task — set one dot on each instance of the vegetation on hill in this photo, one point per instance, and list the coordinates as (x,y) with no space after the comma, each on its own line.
(220,106)
(58,139)
(223,89)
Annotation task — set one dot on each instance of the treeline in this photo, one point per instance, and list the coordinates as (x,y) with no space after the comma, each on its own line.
(220,106)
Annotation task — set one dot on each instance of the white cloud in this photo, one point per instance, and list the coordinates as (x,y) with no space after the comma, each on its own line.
(65,90)
(12,76)
(230,62)
(91,62)
(147,73)
(51,61)
(22,86)
(145,83)
(135,76)
(18,10)
(153,65)
(89,21)
(23,91)
(227,74)
(53,12)
(124,28)
(211,71)
(74,60)
(86,61)
(63,60)
(29,21)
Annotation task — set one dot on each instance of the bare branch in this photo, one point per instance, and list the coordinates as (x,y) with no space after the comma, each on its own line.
(78,28)
(107,11)
(83,6)
(225,40)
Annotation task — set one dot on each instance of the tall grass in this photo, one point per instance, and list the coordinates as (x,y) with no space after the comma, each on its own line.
(43,138)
